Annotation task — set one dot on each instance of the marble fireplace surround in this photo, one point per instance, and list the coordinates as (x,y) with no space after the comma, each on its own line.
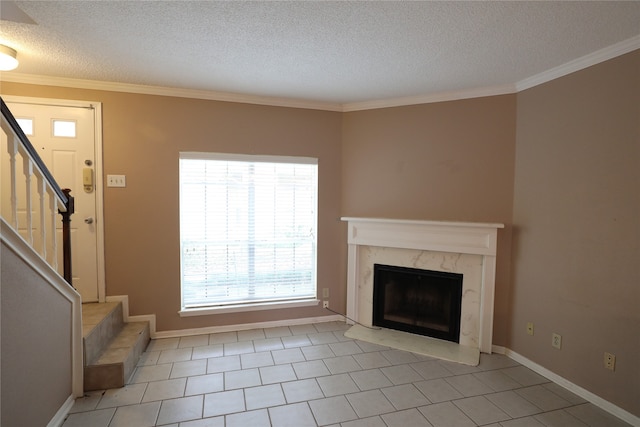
(458,247)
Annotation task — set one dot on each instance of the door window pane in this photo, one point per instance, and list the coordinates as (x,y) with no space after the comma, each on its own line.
(64,128)
(26,125)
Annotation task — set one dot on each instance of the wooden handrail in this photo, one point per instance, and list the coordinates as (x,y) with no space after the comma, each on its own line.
(65,202)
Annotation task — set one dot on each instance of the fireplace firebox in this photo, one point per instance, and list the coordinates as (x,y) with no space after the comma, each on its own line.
(423,302)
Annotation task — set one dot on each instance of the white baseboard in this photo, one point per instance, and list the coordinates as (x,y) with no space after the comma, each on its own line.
(575,389)
(59,417)
(498,349)
(124,299)
(247,326)
(151,318)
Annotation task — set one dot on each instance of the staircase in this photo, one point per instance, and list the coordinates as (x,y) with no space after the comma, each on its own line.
(111,347)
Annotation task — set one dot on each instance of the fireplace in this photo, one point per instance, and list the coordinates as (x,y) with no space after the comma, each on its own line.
(464,248)
(423,302)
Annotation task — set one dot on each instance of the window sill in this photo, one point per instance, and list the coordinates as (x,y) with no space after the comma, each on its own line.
(206,311)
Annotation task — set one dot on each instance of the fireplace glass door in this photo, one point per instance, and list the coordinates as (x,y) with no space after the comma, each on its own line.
(423,302)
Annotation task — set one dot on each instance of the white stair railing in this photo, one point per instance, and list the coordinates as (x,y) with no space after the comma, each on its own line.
(37,227)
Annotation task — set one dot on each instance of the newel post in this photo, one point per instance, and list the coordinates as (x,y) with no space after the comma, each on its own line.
(66,236)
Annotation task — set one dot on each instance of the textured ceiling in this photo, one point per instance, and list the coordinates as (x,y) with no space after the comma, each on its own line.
(333,52)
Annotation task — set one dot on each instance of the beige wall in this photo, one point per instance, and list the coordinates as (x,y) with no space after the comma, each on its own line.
(445,161)
(448,161)
(142,138)
(576,246)
(36,345)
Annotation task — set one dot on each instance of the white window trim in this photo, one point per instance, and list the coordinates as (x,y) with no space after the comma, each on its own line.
(195,155)
(257,306)
(239,308)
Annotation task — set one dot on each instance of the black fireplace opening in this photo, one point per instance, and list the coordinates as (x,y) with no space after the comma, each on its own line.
(423,302)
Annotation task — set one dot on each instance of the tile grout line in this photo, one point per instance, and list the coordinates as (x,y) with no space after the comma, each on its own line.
(307,358)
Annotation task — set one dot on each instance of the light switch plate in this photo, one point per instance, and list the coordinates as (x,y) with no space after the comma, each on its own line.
(116,181)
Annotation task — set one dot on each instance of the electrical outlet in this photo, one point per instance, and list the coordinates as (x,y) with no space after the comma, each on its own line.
(325,304)
(529,328)
(556,340)
(609,361)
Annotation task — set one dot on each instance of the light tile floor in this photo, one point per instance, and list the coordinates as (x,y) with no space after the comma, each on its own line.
(312,375)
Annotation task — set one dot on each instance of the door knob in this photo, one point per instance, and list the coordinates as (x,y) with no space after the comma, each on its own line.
(88,220)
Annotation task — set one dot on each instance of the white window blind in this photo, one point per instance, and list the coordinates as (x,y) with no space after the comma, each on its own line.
(247,229)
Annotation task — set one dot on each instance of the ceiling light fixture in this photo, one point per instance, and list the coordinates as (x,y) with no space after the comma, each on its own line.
(8,59)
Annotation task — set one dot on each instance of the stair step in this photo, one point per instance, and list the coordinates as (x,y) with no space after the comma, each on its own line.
(112,347)
(100,323)
(117,362)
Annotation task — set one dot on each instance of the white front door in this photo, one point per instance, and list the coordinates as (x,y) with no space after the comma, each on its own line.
(65,138)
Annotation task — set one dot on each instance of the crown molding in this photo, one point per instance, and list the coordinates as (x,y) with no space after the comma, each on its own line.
(578,64)
(429,99)
(168,91)
(581,63)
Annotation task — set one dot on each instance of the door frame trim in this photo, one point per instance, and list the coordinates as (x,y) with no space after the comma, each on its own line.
(96,107)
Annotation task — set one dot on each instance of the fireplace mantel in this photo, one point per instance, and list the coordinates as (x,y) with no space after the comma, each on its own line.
(434,236)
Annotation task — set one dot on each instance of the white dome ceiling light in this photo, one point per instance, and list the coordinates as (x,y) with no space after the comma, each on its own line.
(8,59)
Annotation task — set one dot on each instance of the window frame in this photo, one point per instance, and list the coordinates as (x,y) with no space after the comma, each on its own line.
(218,308)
